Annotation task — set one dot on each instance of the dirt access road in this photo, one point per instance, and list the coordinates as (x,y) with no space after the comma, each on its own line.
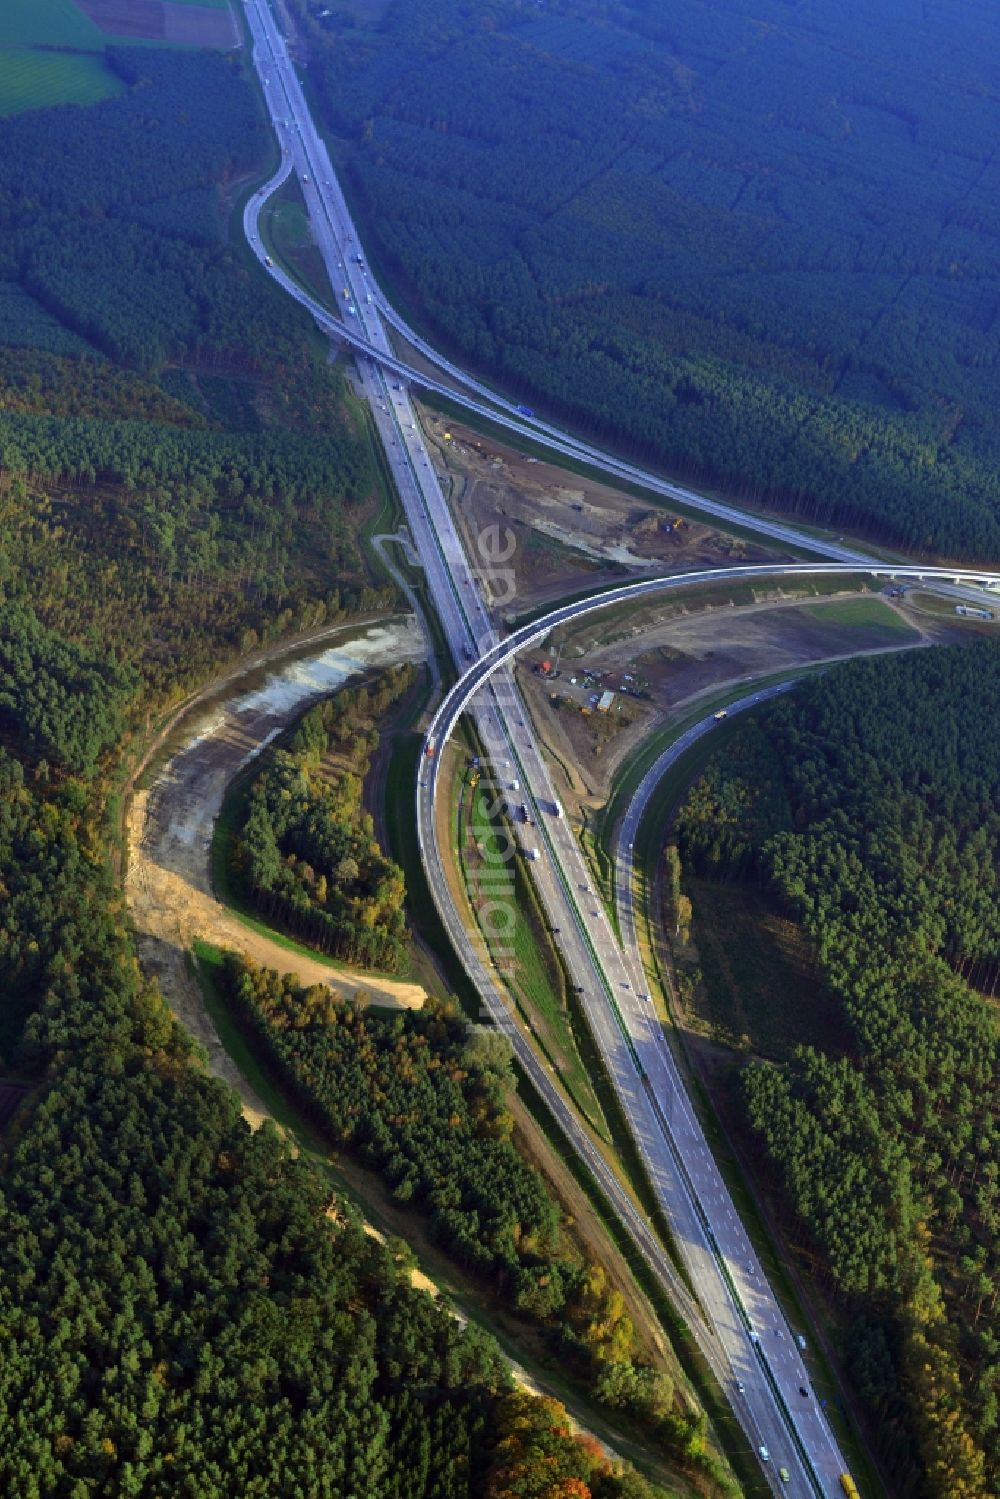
(683,656)
(568,532)
(169,829)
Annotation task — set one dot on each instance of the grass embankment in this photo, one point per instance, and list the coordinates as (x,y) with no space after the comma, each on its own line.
(562,1035)
(851,612)
(869,614)
(941,608)
(620,621)
(287,237)
(525,956)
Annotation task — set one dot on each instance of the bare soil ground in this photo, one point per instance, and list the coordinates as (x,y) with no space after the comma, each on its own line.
(159,20)
(169,829)
(569,531)
(673,656)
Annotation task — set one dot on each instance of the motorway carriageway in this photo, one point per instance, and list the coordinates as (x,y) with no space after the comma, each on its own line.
(758,1345)
(589,945)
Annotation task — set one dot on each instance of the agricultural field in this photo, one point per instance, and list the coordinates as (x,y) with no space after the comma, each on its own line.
(53,23)
(32,78)
(35,74)
(184,23)
(35,80)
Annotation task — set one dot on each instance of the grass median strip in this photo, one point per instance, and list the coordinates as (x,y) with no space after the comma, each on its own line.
(492,871)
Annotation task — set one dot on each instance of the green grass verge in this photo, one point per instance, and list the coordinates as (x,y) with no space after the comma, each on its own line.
(404,845)
(528,958)
(941,608)
(287,237)
(865,614)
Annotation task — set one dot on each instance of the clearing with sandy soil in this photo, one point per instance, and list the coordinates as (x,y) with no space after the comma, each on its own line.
(570,532)
(674,655)
(168,883)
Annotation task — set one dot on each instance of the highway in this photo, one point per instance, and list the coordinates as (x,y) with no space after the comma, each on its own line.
(454,704)
(467,625)
(366,312)
(735,1319)
(765,1371)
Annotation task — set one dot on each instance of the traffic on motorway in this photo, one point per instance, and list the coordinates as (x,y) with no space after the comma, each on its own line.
(733,1314)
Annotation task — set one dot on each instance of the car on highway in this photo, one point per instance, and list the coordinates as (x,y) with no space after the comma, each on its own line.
(803,1392)
(765,1456)
(784,1475)
(580,987)
(741,1387)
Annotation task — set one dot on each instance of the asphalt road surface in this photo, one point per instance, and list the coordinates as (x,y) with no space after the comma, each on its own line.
(736,1319)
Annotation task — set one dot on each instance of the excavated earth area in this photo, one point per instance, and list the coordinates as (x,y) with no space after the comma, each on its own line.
(568,531)
(168,882)
(678,659)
